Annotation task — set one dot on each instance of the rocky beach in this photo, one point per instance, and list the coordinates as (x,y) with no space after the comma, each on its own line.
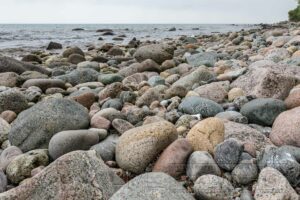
(203,117)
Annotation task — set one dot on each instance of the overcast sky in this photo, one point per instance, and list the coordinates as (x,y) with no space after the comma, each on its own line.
(144,11)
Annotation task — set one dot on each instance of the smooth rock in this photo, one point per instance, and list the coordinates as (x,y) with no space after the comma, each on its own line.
(85,98)
(34,127)
(201,163)
(44,84)
(206,134)
(12,100)
(157,52)
(4,130)
(245,172)
(110,78)
(72,50)
(66,141)
(121,125)
(78,76)
(139,146)
(293,100)
(263,111)
(174,158)
(8,155)
(3,182)
(206,58)
(227,154)
(106,149)
(286,128)
(233,116)
(9,79)
(216,92)
(196,105)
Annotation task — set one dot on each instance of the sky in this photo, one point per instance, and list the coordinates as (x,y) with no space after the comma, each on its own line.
(145,11)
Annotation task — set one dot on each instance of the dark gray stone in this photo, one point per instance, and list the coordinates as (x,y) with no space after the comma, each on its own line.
(106,149)
(197,105)
(34,127)
(245,172)
(13,100)
(110,78)
(78,76)
(113,103)
(227,154)
(263,111)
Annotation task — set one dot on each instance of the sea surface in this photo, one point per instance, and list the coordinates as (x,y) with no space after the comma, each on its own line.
(23,37)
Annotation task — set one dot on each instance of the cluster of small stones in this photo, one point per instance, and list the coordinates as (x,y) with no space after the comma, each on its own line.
(212,117)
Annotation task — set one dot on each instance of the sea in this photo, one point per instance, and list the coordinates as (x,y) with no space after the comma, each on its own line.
(30,37)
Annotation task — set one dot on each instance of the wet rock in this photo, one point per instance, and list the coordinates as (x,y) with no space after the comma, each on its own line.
(73,175)
(206,134)
(173,159)
(197,105)
(20,167)
(273,185)
(66,141)
(157,52)
(12,100)
(201,163)
(212,187)
(285,129)
(138,147)
(72,50)
(54,45)
(227,154)
(34,127)
(155,185)
(263,111)
(106,149)
(11,65)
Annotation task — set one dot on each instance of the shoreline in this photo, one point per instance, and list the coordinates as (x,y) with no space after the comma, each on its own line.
(211,116)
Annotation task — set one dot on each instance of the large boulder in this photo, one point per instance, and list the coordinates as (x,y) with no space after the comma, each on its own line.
(34,127)
(286,128)
(263,111)
(139,146)
(268,81)
(149,186)
(12,100)
(206,134)
(11,65)
(77,175)
(272,185)
(196,105)
(157,52)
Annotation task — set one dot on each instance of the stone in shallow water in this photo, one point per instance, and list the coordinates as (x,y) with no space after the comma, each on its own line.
(150,186)
(76,175)
(34,127)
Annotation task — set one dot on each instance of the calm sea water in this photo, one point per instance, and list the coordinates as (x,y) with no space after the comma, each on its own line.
(37,36)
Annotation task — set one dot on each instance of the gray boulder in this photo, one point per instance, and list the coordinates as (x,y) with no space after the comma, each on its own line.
(78,76)
(157,52)
(149,186)
(106,149)
(12,100)
(11,65)
(34,127)
(76,175)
